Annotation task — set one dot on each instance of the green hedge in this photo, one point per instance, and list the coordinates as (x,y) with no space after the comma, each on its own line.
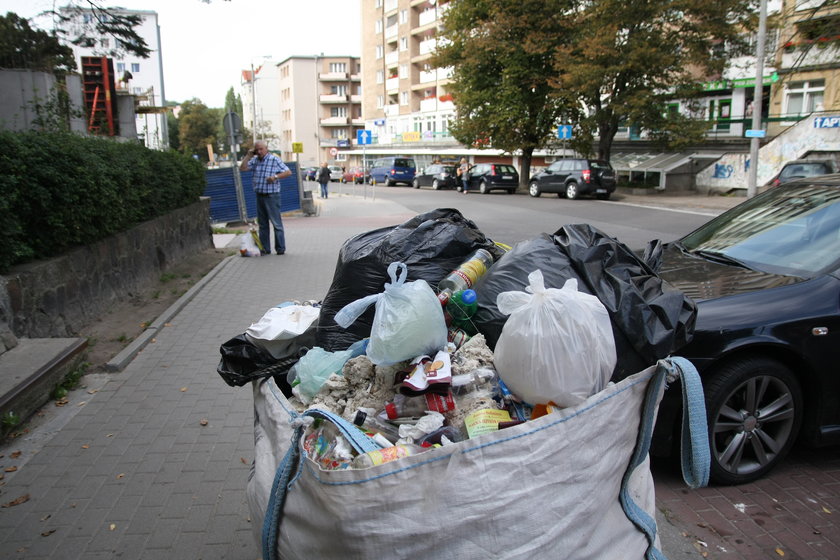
(59,191)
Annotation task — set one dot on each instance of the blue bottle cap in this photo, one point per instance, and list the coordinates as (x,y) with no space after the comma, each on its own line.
(468,296)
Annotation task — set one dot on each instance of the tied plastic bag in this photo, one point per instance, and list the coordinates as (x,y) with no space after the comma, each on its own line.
(408,321)
(313,369)
(556,346)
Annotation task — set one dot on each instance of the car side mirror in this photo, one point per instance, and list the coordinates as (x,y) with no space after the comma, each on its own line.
(549,172)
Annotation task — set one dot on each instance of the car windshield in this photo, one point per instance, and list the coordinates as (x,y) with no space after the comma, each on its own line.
(791,230)
(505,169)
(404,163)
(597,164)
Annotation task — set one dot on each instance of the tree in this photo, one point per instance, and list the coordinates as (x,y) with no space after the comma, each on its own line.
(21,46)
(197,127)
(502,55)
(90,21)
(233,102)
(629,58)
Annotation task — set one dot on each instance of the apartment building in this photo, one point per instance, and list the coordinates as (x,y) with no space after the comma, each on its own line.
(140,77)
(312,100)
(405,102)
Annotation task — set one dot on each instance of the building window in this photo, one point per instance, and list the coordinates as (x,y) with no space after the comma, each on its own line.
(338,111)
(338,90)
(377,26)
(120,67)
(380,101)
(404,98)
(338,67)
(804,97)
(403,71)
(380,51)
(338,133)
(380,76)
(378,4)
(104,43)
(403,43)
(403,16)
(135,66)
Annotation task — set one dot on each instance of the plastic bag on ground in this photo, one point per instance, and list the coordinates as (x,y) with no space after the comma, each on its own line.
(650,318)
(242,362)
(248,245)
(557,345)
(408,319)
(431,245)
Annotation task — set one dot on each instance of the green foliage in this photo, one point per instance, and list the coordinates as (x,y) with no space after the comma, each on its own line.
(62,190)
(24,47)
(198,126)
(101,22)
(502,54)
(629,58)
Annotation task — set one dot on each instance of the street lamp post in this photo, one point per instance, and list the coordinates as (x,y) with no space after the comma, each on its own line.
(254,102)
(758,94)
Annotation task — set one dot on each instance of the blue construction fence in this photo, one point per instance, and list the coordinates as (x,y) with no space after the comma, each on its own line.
(221,189)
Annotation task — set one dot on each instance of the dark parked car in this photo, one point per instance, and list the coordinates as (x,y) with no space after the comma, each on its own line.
(486,177)
(766,279)
(799,168)
(574,177)
(438,176)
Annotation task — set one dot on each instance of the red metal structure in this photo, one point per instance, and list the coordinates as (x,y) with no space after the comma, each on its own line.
(100,95)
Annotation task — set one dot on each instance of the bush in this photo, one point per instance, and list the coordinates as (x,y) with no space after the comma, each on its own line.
(61,190)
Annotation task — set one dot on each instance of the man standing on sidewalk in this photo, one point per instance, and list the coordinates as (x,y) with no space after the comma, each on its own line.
(267,169)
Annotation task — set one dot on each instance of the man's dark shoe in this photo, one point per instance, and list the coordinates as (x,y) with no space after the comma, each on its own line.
(265,252)
(281,252)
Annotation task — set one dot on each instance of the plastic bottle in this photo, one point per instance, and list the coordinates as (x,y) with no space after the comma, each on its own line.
(464,383)
(403,406)
(371,423)
(385,455)
(461,307)
(466,275)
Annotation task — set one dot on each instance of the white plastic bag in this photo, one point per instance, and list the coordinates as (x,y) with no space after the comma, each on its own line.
(248,245)
(408,321)
(556,346)
(281,328)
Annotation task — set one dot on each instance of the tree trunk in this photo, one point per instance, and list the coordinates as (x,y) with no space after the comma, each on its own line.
(606,133)
(525,169)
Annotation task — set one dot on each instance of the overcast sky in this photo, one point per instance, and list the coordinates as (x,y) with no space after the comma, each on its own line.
(205,46)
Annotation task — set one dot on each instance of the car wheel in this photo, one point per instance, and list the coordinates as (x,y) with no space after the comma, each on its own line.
(415,184)
(534,189)
(754,408)
(436,185)
(572,190)
(389,182)
(484,188)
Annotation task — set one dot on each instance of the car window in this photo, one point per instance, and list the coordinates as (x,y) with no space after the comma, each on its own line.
(599,164)
(555,167)
(790,230)
(401,162)
(449,169)
(566,165)
(505,170)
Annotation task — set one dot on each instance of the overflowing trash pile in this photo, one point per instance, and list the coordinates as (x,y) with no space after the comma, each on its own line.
(432,334)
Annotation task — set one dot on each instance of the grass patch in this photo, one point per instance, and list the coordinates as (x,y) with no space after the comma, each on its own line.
(167,277)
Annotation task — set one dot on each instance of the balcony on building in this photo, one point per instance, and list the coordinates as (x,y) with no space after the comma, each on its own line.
(392,57)
(392,110)
(427,16)
(427,76)
(390,5)
(392,84)
(810,53)
(332,76)
(332,98)
(428,46)
(356,98)
(334,121)
(358,122)
(391,31)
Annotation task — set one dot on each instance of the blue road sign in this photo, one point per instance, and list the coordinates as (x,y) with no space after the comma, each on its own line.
(363,137)
(755,133)
(564,132)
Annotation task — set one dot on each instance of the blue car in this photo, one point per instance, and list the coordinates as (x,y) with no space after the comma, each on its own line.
(393,170)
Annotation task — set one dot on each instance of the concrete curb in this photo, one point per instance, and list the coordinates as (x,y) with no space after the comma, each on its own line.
(121,360)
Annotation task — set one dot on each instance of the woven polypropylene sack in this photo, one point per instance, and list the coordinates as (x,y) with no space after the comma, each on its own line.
(548,487)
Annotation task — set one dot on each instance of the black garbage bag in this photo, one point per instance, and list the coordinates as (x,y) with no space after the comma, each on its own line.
(431,245)
(243,362)
(650,318)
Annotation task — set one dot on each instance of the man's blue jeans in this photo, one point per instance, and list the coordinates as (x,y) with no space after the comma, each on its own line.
(268,212)
(325,190)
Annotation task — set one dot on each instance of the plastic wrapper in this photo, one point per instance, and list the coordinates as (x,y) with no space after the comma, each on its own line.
(650,318)
(242,362)
(430,244)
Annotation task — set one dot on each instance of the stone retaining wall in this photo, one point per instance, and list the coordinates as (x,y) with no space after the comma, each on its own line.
(60,296)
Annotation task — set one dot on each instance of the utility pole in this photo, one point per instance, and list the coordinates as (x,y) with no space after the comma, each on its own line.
(758,94)
(254,102)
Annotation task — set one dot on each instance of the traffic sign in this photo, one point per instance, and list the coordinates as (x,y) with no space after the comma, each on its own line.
(297,147)
(363,137)
(755,133)
(564,132)
(333,152)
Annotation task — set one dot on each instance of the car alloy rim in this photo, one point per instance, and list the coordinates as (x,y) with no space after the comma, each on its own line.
(753,425)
